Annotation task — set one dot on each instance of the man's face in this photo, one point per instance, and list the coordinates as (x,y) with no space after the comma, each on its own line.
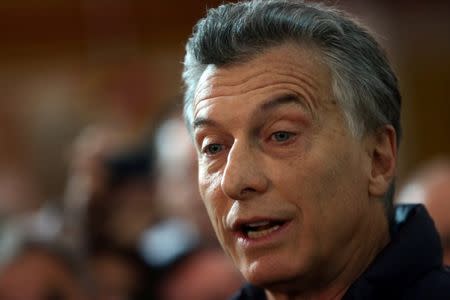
(284,181)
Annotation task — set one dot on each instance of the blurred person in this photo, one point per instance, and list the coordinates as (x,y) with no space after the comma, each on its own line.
(126,208)
(203,273)
(109,195)
(42,271)
(18,192)
(109,203)
(119,274)
(430,185)
(295,114)
(87,175)
(177,178)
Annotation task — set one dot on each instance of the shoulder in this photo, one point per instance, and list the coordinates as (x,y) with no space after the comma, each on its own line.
(434,285)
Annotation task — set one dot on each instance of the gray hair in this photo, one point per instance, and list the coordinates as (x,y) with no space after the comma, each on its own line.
(362,80)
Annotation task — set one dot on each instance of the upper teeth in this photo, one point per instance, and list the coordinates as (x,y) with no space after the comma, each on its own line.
(255,234)
(258,224)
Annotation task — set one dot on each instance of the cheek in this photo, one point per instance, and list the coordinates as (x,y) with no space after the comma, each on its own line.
(341,193)
(322,182)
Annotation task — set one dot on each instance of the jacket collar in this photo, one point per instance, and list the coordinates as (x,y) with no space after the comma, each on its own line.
(414,250)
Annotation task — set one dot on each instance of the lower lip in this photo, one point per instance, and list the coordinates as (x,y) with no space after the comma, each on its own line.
(273,237)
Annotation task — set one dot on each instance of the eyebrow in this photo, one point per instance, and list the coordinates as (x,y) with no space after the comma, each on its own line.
(283,100)
(203,122)
(269,105)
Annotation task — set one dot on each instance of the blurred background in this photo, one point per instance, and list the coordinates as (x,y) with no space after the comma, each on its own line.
(86,86)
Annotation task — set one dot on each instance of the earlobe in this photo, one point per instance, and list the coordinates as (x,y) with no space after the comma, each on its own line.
(384,160)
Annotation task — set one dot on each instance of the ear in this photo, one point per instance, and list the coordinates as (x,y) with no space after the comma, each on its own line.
(383,153)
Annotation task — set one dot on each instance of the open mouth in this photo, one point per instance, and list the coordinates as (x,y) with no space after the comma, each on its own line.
(261,229)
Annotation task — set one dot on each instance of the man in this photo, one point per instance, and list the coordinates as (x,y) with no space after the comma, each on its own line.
(294,111)
(430,186)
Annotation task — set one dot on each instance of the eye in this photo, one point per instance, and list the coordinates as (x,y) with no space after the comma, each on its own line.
(281,136)
(212,149)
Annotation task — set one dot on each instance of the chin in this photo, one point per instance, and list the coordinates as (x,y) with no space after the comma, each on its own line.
(272,276)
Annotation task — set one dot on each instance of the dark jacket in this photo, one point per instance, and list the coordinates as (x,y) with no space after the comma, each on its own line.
(409,268)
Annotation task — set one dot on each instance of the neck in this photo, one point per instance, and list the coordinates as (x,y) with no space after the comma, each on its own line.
(355,258)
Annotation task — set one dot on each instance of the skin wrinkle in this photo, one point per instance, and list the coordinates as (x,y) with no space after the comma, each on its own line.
(209,99)
(273,102)
(310,89)
(284,70)
(309,100)
(282,90)
(260,79)
(263,77)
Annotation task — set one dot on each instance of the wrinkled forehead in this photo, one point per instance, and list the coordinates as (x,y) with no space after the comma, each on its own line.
(288,66)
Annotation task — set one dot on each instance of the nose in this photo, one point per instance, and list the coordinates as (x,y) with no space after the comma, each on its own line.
(243,176)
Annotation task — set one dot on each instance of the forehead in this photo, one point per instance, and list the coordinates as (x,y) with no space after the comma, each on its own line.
(283,69)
